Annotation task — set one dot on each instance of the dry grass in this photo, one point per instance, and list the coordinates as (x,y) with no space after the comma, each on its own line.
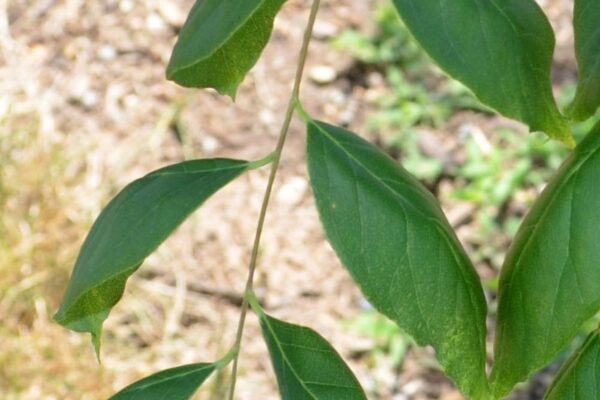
(69,139)
(50,191)
(38,241)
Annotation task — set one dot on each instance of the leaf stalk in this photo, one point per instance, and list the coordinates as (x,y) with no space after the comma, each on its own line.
(273,174)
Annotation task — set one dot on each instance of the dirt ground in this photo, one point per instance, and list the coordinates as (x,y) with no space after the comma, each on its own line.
(85,109)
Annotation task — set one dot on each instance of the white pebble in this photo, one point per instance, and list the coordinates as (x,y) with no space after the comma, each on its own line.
(323,74)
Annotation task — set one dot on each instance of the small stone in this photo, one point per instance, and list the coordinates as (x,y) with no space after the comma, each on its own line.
(376,79)
(89,99)
(293,191)
(210,144)
(131,101)
(267,117)
(171,13)
(107,52)
(126,6)
(324,30)
(413,387)
(323,74)
(154,22)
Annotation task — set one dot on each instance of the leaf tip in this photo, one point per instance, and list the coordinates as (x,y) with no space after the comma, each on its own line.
(96,336)
(182,78)
(96,331)
(229,90)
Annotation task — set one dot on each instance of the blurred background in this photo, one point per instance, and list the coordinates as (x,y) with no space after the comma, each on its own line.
(85,109)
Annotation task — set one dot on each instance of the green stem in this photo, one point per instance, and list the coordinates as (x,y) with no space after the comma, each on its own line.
(231,354)
(274,168)
(262,162)
(254,303)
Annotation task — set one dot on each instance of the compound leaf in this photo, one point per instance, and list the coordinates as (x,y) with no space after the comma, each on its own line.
(550,282)
(220,41)
(306,365)
(178,383)
(579,378)
(392,236)
(587,48)
(501,49)
(131,227)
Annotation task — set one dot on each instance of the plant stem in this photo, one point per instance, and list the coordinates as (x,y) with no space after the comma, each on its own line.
(267,196)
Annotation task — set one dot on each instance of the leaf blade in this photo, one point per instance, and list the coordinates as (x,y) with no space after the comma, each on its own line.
(579,377)
(307,367)
(179,383)
(131,227)
(501,50)
(220,42)
(549,282)
(587,48)
(400,250)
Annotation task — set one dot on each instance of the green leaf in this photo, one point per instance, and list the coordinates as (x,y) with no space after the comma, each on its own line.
(131,227)
(587,48)
(178,383)
(579,378)
(392,236)
(501,49)
(306,365)
(550,282)
(220,41)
